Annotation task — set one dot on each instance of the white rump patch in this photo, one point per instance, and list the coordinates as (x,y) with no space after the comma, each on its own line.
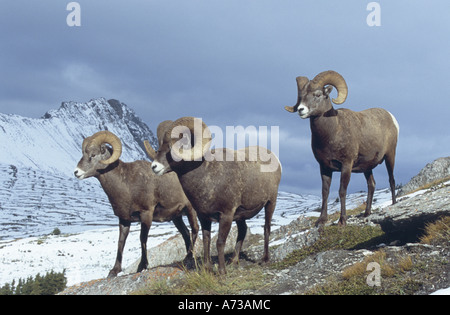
(395,123)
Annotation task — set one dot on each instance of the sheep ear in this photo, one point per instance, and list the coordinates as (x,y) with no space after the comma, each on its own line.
(103,149)
(327,90)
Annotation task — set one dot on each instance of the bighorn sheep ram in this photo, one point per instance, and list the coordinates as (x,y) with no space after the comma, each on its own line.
(343,140)
(223,185)
(135,193)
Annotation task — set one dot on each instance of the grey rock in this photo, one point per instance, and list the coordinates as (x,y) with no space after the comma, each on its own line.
(438,169)
(412,214)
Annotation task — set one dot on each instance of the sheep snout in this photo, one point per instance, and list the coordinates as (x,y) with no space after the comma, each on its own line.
(79,173)
(303,111)
(158,168)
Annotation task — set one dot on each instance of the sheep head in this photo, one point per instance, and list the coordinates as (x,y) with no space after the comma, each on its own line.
(186,139)
(313,96)
(96,155)
(162,128)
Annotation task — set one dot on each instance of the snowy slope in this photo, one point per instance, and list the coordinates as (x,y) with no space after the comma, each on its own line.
(90,255)
(34,202)
(38,191)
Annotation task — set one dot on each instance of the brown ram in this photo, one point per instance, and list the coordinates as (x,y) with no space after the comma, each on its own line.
(223,185)
(135,193)
(343,140)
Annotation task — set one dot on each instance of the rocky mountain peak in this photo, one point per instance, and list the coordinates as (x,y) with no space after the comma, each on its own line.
(53,141)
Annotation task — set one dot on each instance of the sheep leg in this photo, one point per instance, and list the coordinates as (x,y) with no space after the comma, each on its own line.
(390,162)
(179,224)
(206,232)
(346,172)
(370,190)
(124,229)
(242,231)
(192,218)
(326,182)
(269,209)
(146,223)
(224,229)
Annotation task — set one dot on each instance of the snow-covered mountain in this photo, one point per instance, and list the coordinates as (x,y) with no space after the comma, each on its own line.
(38,191)
(53,142)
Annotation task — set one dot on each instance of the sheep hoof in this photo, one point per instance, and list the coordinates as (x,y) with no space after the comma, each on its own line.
(321,222)
(188,259)
(113,273)
(264,262)
(208,267)
(142,266)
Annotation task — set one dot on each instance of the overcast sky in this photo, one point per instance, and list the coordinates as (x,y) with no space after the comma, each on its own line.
(234,62)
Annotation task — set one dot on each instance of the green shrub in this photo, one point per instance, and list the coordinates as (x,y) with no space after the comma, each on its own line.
(50,284)
(56,231)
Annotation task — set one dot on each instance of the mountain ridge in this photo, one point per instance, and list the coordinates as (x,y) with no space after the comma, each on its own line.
(38,191)
(53,142)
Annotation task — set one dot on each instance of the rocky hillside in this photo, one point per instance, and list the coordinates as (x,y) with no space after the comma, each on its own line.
(437,170)
(410,258)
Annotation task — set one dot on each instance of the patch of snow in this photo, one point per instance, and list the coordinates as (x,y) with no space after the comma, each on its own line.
(87,255)
(442,292)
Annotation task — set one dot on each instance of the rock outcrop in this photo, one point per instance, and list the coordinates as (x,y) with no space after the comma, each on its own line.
(402,223)
(434,171)
(411,214)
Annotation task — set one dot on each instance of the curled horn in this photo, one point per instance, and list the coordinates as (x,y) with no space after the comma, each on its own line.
(331,78)
(105,136)
(200,136)
(162,129)
(301,82)
(86,141)
(150,151)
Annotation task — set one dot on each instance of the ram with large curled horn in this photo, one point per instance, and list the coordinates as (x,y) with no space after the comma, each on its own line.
(223,185)
(135,194)
(343,140)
